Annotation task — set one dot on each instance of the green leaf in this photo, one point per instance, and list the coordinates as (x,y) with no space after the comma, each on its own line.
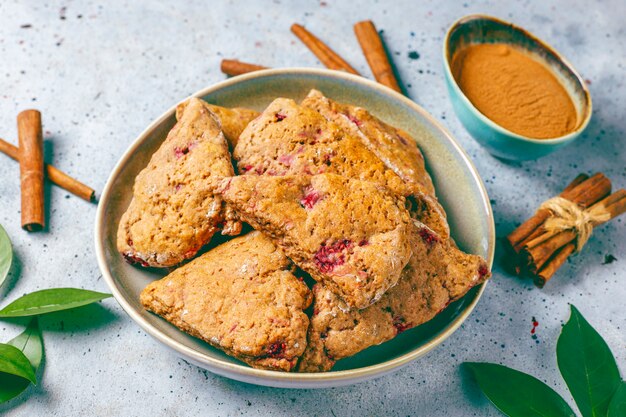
(6,254)
(617,407)
(517,394)
(587,366)
(48,301)
(30,343)
(13,361)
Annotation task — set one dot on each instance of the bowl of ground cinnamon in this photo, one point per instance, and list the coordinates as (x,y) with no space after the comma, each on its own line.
(514,93)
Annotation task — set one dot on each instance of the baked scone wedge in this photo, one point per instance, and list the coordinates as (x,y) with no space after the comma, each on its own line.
(352,235)
(291,139)
(174,211)
(395,147)
(233,120)
(240,297)
(437,274)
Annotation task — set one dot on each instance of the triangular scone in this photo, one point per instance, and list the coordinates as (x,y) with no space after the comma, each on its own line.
(289,139)
(174,212)
(437,274)
(395,147)
(233,120)
(351,235)
(240,297)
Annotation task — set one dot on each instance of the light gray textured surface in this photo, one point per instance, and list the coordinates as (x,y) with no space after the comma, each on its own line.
(101,71)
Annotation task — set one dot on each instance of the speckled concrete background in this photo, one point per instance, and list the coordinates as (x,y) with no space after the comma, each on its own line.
(101,71)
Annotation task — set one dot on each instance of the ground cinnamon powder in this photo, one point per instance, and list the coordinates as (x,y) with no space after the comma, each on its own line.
(514,90)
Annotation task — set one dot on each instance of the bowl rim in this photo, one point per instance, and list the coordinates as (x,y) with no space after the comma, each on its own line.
(297,380)
(546,142)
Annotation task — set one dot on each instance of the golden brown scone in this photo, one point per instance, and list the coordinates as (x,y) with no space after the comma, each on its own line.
(289,139)
(395,147)
(174,212)
(351,235)
(240,297)
(437,274)
(233,120)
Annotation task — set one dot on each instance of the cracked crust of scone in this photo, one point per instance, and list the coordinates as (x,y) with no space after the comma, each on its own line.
(240,297)
(352,235)
(437,274)
(174,211)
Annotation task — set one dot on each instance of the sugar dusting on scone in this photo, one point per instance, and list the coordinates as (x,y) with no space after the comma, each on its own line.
(174,211)
(437,274)
(352,235)
(240,297)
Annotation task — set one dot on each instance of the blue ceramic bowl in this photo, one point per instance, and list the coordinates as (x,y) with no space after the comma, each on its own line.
(499,141)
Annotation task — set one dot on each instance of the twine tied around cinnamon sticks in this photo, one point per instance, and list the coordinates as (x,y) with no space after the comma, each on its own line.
(569,216)
(562,225)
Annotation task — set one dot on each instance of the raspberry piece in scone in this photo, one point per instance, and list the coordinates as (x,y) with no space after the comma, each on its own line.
(437,274)
(352,235)
(240,297)
(174,211)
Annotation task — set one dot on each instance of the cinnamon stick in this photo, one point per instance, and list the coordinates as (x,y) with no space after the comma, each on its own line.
(375,53)
(542,250)
(544,275)
(327,56)
(31,169)
(583,191)
(233,67)
(56,176)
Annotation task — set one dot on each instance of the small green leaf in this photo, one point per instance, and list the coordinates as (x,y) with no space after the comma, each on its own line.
(30,343)
(617,407)
(6,254)
(517,394)
(14,362)
(48,301)
(587,366)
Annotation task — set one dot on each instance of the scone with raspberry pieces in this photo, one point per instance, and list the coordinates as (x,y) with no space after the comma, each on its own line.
(437,274)
(349,234)
(174,211)
(232,120)
(395,147)
(240,297)
(289,139)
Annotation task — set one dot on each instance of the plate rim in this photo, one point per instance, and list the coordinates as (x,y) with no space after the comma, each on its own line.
(243,372)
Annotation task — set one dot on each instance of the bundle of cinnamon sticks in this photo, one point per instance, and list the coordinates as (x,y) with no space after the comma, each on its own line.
(367,36)
(537,252)
(33,171)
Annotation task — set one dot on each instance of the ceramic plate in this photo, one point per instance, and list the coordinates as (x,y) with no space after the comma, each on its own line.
(458,185)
